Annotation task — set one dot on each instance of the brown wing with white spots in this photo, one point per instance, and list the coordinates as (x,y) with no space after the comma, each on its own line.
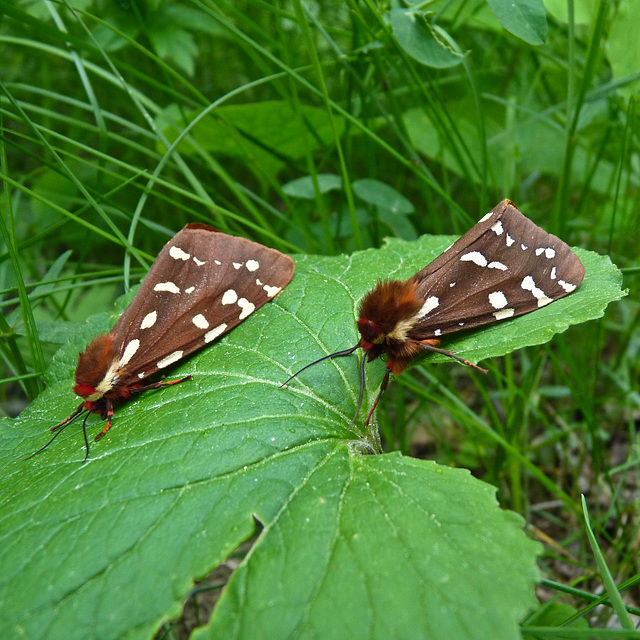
(502,267)
(202,284)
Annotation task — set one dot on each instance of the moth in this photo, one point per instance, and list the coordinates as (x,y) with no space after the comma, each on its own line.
(202,284)
(503,267)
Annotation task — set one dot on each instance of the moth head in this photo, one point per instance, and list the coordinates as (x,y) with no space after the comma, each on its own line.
(388,312)
(96,372)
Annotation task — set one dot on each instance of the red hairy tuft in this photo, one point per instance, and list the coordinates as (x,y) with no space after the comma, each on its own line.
(388,303)
(94,362)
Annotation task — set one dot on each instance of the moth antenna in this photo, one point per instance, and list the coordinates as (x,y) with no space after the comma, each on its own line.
(86,440)
(451,354)
(59,428)
(361,396)
(337,354)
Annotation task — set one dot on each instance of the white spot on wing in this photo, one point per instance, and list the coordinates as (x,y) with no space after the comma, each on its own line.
(129,352)
(452,284)
(497,265)
(503,314)
(149,320)
(437,332)
(247,308)
(178,254)
(524,247)
(199,262)
(141,375)
(567,286)
(252,265)
(200,321)
(229,297)
(215,332)
(553,273)
(166,286)
(497,228)
(189,290)
(486,216)
(498,300)
(237,265)
(548,252)
(528,284)
(476,257)
(510,240)
(218,262)
(271,291)
(431,303)
(170,359)
(258,282)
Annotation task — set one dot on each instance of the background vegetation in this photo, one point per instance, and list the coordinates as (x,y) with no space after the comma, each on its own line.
(323,128)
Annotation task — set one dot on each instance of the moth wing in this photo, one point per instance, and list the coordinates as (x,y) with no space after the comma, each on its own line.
(452,252)
(502,267)
(202,284)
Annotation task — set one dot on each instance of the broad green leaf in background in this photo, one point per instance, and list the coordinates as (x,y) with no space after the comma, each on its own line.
(265,134)
(557,615)
(172,33)
(353,545)
(170,28)
(534,143)
(303,187)
(382,195)
(392,207)
(526,19)
(424,40)
(584,11)
(623,45)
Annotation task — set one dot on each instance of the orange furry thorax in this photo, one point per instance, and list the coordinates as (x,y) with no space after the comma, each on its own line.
(93,364)
(388,303)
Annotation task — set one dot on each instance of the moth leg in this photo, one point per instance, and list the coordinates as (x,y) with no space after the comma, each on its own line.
(383,388)
(428,345)
(158,385)
(67,420)
(109,414)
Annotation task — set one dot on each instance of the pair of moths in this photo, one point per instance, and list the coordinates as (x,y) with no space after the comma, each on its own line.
(204,283)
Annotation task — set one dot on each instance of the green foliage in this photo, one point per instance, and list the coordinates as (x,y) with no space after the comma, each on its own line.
(164,495)
(319,129)
(424,41)
(526,19)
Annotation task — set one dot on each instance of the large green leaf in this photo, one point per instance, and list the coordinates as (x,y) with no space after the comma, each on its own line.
(424,40)
(109,548)
(526,19)
(623,49)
